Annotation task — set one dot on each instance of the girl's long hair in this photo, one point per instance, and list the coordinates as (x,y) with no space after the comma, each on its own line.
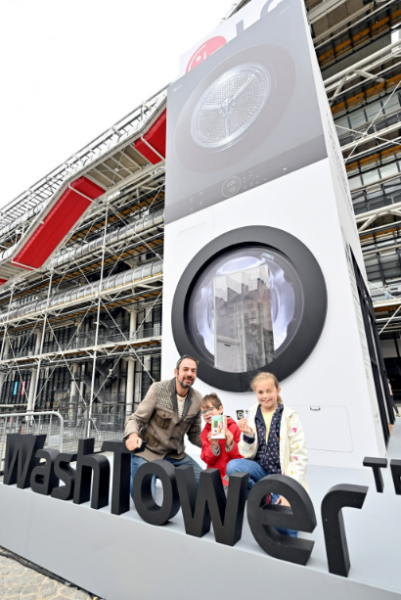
(262,377)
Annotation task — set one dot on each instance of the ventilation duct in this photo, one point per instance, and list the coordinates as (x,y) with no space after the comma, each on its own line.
(113,237)
(118,235)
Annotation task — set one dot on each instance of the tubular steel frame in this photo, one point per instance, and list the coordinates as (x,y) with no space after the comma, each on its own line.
(121,208)
(133,189)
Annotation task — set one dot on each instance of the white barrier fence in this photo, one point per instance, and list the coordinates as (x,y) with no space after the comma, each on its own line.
(48,422)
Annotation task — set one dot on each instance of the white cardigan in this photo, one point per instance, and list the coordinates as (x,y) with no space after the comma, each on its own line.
(293,451)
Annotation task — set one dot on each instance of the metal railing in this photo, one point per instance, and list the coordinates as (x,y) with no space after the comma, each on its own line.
(104,427)
(381,292)
(50,423)
(65,428)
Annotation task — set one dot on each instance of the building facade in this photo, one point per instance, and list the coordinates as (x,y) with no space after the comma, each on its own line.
(81,262)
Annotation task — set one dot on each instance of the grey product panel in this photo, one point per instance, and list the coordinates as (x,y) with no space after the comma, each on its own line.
(282,134)
(120,558)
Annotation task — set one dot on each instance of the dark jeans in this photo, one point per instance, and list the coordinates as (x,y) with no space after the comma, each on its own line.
(256,472)
(137,461)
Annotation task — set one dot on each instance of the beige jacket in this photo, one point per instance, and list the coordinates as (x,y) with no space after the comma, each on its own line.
(293,450)
(156,421)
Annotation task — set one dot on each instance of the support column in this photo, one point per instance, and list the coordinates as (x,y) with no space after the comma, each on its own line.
(81,405)
(129,398)
(133,317)
(6,349)
(34,375)
(129,392)
(77,341)
(88,420)
(74,391)
(147,370)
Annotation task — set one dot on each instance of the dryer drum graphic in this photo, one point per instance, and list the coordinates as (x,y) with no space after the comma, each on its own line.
(254,299)
(234,107)
(230,106)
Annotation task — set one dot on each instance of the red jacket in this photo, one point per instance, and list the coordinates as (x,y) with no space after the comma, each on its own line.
(220,462)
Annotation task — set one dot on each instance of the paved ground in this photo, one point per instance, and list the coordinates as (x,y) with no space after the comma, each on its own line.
(18,582)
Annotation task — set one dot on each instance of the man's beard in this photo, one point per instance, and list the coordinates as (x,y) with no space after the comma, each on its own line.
(185,384)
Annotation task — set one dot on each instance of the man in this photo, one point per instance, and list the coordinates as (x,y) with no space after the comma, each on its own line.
(169,410)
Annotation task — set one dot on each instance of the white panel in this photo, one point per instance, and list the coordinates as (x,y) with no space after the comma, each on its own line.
(337,361)
(326,427)
(124,558)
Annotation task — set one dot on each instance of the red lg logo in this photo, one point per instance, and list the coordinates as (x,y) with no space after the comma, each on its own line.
(206,50)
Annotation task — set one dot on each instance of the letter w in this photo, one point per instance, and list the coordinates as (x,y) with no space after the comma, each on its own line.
(208,503)
(20,459)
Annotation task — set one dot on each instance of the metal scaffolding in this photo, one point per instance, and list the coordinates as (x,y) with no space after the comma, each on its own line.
(82,333)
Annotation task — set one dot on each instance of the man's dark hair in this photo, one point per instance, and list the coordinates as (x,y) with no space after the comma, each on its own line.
(179,361)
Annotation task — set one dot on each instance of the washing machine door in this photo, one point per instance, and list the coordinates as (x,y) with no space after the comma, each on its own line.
(235,107)
(252,300)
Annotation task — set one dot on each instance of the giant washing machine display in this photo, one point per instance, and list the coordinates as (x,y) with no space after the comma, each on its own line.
(250,147)
(233,121)
(253,299)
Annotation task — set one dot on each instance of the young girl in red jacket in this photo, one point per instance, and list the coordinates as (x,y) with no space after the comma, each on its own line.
(218,453)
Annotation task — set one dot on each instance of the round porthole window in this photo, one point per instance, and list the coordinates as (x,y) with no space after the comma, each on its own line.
(230,105)
(253,299)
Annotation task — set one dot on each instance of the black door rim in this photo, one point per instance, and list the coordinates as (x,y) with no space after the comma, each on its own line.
(311,322)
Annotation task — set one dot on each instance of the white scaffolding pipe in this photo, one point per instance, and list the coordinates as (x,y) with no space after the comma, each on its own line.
(331,82)
(378,212)
(389,321)
(90,408)
(34,376)
(42,340)
(129,398)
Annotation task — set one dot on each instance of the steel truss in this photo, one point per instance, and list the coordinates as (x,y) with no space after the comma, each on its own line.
(112,260)
(92,155)
(66,319)
(367,149)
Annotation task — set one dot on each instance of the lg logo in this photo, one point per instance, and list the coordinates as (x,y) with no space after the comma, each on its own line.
(216,42)
(204,51)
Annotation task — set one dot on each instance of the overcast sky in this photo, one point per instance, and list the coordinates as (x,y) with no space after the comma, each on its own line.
(70,70)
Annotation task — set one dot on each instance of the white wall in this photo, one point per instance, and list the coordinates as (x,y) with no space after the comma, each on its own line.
(334,375)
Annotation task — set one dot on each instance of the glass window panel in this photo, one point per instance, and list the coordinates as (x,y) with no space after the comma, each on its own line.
(341,122)
(243,332)
(389,170)
(245,308)
(357,119)
(390,158)
(373,110)
(354,182)
(390,104)
(370,176)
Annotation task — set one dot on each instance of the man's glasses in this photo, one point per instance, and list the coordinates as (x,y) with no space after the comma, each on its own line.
(207,411)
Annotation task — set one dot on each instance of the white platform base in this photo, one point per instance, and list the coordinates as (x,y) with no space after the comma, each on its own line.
(120,558)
